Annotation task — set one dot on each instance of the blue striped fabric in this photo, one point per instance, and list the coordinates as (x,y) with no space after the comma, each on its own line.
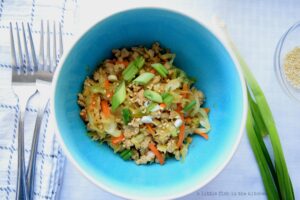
(50,159)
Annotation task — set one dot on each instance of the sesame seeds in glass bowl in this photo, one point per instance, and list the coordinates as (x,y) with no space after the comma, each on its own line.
(287,61)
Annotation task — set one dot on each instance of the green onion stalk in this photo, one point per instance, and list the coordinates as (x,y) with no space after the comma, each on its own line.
(260,123)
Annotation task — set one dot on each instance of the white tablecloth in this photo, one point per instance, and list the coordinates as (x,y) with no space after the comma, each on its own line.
(256,27)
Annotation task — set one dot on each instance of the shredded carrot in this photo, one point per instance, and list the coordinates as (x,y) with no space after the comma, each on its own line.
(185,89)
(125,63)
(107,88)
(179,111)
(204,135)
(153,71)
(116,140)
(182,127)
(181,116)
(153,148)
(150,129)
(105,108)
(106,84)
(163,105)
(206,110)
(188,120)
(181,135)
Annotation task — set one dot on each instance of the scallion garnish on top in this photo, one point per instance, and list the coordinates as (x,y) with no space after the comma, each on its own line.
(144,78)
(133,68)
(151,106)
(160,69)
(153,96)
(189,106)
(119,96)
(126,115)
(97,89)
(167,98)
(126,154)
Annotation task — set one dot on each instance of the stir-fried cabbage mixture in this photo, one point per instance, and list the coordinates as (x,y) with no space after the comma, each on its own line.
(142,106)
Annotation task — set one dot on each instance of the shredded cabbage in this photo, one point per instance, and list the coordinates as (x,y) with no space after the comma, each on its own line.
(110,127)
(162,147)
(136,140)
(173,84)
(204,122)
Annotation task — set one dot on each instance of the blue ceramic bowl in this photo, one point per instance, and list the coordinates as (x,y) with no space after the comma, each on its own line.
(199,53)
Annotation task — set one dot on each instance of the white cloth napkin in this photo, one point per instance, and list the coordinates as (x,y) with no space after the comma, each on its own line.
(50,159)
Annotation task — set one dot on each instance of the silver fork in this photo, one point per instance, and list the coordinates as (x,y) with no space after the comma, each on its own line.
(23,85)
(47,64)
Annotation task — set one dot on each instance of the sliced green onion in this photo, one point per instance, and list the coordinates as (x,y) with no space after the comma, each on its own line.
(92,134)
(167,98)
(144,78)
(191,79)
(97,89)
(129,73)
(153,96)
(174,74)
(204,122)
(138,114)
(119,96)
(151,106)
(126,154)
(133,68)
(174,132)
(139,62)
(180,73)
(160,69)
(172,59)
(164,95)
(167,56)
(126,115)
(189,106)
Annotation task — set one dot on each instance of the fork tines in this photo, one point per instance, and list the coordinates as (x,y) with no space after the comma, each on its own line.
(24,57)
(22,63)
(50,61)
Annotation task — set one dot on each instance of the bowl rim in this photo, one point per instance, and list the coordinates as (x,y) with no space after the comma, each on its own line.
(213,174)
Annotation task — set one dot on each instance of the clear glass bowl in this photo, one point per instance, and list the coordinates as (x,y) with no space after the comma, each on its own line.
(289,40)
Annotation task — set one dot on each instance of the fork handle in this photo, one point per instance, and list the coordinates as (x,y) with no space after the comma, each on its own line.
(30,175)
(21,192)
